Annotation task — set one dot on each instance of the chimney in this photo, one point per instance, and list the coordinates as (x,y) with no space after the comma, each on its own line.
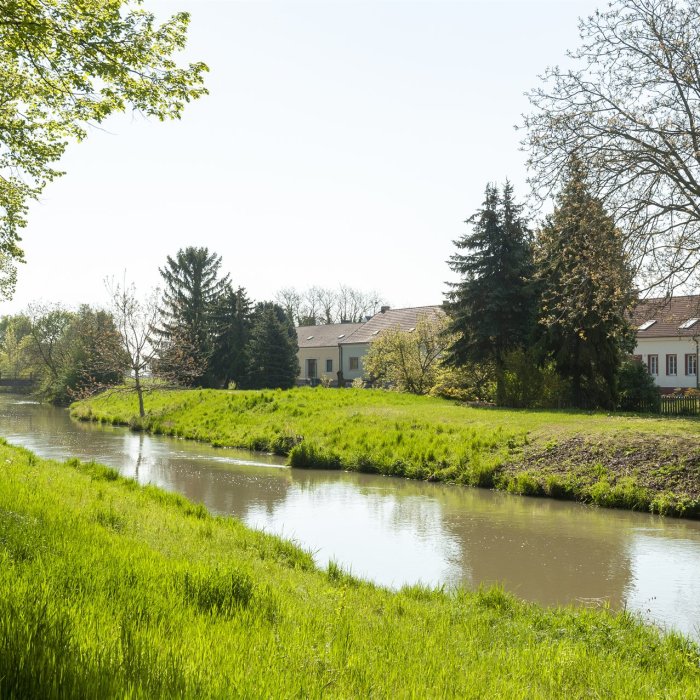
(384,309)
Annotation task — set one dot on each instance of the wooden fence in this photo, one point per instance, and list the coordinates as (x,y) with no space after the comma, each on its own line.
(667,406)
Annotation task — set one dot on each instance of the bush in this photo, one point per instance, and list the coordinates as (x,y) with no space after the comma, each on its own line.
(636,388)
(527,385)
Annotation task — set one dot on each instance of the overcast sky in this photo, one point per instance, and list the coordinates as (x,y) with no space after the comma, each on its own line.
(342,142)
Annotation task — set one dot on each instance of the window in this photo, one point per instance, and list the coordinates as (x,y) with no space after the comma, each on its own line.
(691,364)
(653,364)
(671,365)
(689,323)
(329,365)
(311,370)
(354,363)
(647,324)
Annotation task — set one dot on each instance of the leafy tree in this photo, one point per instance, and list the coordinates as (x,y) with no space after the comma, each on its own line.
(71,354)
(232,329)
(636,387)
(190,299)
(491,307)
(587,292)
(629,108)
(14,334)
(272,349)
(66,64)
(409,360)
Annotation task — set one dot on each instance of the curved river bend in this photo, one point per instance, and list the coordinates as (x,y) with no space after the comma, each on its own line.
(396,531)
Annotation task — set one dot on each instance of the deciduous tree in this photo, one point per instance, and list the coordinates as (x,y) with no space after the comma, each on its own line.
(65,65)
(629,107)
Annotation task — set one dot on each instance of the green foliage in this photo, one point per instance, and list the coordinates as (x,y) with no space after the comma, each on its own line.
(527,385)
(188,328)
(70,354)
(229,359)
(636,388)
(418,437)
(491,308)
(468,382)
(408,360)
(66,64)
(272,349)
(586,292)
(171,605)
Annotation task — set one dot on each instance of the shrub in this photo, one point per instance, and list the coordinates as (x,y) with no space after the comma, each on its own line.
(636,388)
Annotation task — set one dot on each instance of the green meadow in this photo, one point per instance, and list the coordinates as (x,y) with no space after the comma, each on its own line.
(111,589)
(646,463)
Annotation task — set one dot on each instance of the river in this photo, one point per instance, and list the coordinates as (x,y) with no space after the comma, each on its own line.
(396,531)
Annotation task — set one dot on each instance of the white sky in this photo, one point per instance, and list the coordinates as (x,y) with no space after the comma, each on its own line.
(341,142)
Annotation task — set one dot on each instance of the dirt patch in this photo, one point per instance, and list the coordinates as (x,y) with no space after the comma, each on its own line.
(657,463)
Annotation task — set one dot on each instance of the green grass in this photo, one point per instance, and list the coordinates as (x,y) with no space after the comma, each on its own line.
(111,589)
(529,452)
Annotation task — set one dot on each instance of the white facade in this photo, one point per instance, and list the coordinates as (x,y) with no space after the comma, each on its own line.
(671,361)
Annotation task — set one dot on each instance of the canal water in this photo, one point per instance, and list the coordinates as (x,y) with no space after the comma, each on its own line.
(396,531)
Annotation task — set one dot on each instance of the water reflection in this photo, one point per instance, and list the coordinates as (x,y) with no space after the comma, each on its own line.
(396,531)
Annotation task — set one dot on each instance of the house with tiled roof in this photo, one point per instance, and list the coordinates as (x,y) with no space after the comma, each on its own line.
(319,350)
(325,350)
(668,334)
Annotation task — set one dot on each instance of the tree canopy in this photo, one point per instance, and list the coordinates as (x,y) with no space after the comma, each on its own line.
(629,107)
(491,307)
(65,65)
(586,292)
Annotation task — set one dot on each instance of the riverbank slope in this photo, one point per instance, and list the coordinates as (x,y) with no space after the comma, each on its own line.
(111,589)
(646,463)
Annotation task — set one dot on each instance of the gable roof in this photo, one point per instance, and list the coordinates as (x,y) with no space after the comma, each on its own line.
(324,336)
(668,314)
(404,319)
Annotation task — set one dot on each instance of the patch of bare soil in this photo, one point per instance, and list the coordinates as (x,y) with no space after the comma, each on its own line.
(655,462)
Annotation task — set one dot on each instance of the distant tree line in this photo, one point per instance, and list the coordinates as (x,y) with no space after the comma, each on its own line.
(199,331)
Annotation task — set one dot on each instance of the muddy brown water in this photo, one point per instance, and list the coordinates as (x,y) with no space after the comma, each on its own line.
(396,531)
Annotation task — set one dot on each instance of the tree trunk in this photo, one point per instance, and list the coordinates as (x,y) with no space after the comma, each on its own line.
(139,393)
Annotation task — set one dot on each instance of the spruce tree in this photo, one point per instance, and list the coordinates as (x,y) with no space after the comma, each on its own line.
(190,297)
(586,292)
(272,349)
(491,309)
(232,329)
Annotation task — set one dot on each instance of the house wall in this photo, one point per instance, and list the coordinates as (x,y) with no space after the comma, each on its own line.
(668,346)
(358,350)
(320,355)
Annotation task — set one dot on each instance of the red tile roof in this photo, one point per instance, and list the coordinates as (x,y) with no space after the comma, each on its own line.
(669,315)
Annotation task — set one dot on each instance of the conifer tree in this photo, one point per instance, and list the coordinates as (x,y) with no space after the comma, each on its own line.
(586,292)
(491,307)
(272,349)
(190,297)
(232,329)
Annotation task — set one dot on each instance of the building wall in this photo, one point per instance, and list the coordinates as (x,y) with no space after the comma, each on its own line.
(320,355)
(669,346)
(358,350)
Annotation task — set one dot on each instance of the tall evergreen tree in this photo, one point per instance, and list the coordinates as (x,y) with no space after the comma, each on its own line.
(232,329)
(586,292)
(190,298)
(491,308)
(272,349)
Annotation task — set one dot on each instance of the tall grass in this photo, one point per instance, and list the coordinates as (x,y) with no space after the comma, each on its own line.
(403,435)
(110,589)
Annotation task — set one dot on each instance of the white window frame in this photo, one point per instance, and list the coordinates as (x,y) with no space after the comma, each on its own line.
(653,365)
(691,362)
(671,364)
(354,361)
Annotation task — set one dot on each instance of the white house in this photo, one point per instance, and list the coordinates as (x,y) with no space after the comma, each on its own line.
(668,333)
(323,350)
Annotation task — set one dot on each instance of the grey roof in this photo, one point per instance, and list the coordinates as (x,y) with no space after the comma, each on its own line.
(404,319)
(324,336)
(669,314)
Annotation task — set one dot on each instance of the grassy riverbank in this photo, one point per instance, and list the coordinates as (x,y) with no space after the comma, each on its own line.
(110,589)
(642,463)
